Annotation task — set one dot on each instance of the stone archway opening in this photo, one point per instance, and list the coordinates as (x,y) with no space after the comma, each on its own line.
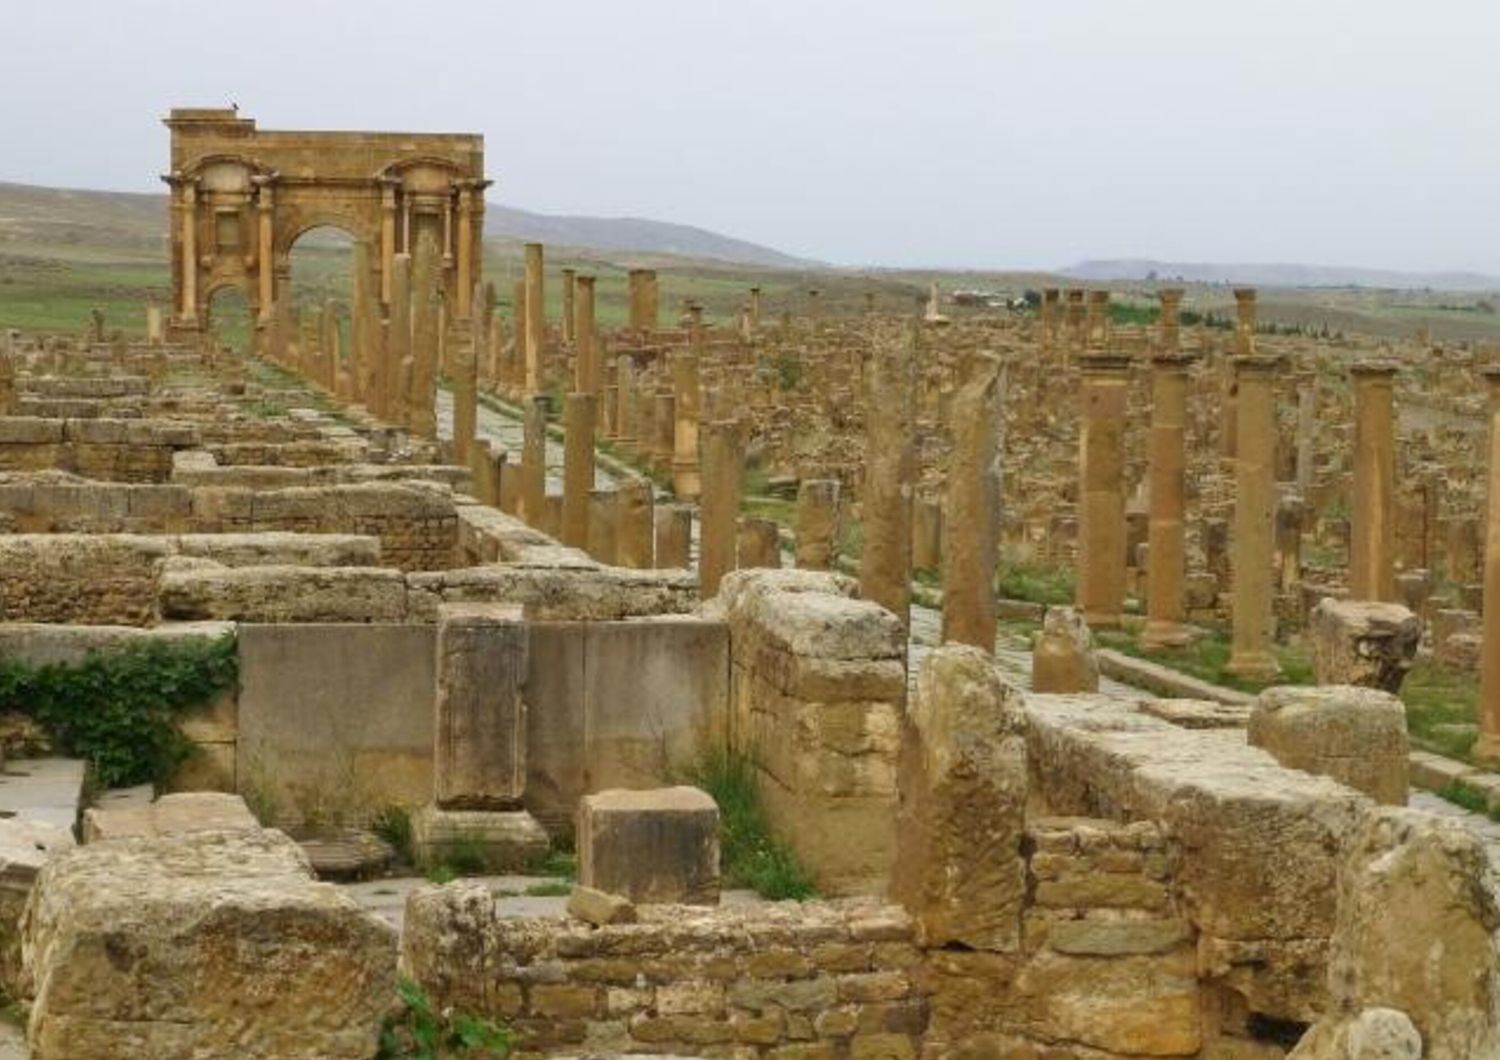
(230,319)
(320,288)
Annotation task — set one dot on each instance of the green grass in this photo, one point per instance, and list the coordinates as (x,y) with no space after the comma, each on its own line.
(1039,584)
(1437,697)
(1207,658)
(550,889)
(393,824)
(562,864)
(1468,798)
(750,854)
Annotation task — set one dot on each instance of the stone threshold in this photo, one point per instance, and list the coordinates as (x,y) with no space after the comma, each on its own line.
(1437,774)
(1164,681)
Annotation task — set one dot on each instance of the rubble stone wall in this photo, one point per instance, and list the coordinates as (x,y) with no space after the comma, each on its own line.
(818,687)
(812,981)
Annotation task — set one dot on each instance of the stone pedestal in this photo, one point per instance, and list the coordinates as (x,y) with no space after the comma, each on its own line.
(660,845)
(674,536)
(492,841)
(817,523)
(635,510)
(758,543)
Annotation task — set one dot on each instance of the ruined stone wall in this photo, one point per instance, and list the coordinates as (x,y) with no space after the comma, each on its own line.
(815,981)
(79,578)
(107,450)
(415,522)
(818,686)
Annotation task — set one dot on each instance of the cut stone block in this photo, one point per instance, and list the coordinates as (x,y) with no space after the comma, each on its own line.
(208,946)
(501,840)
(660,845)
(1063,658)
(600,908)
(181,814)
(1357,736)
(1361,642)
(481,717)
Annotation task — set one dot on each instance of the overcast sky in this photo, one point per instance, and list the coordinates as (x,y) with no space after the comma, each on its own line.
(992,133)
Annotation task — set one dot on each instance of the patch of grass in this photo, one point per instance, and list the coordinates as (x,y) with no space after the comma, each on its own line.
(550,889)
(562,864)
(393,824)
(751,855)
(1207,658)
(1053,586)
(1440,702)
(421,1031)
(441,873)
(1468,798)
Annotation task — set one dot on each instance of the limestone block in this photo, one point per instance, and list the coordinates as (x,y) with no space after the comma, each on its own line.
(180,814)
(25,846)
(283,593)
(1417,916)
(962,777)
(660,845)
(1363,642)
(481,715)
(1355,735)
(600,908)
(210,946)
(504,840)
(1062,659)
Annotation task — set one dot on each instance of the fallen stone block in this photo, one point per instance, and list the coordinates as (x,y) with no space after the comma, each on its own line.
(660,845)
(207,946)
(1357,736)
(1362,642)
(180,814)
(599,907)
(497,840)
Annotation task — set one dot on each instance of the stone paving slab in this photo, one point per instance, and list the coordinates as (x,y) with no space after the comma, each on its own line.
(42,789)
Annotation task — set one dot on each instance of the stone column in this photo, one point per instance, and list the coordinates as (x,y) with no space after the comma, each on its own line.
(466,383)
(603,525)
(1487,749)
(1166,565)
(364,319)
(1307,428)
(387,241)
(534,461)
(578,467)
(972,532)
(1254,520)
(754,309)
(481,712)
(426,278)
(724,469)
(890,465)
(636,524)
(395,367)
(1096,328)
(189,254)
(664,430)
(1101,489)
(817,523)
(633,286)
(265,253)
(466,278)
(674,536)
(625,426)
(1076,315)
(585,341)
(536,321)
(569,325)
(1372,516)
(650,302)
(686,480)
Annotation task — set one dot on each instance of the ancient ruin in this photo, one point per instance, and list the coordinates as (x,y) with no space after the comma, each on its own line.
(643,685)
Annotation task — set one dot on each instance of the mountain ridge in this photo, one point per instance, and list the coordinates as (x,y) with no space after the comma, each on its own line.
(1278,274)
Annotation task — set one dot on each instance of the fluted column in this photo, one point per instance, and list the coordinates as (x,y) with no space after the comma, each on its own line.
(1372,517)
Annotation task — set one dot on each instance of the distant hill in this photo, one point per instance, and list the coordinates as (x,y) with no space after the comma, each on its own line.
(630,233)
(1274,275)
(110,218)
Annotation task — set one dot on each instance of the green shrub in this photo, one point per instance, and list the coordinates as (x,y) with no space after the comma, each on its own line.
(421,1032)
(119,709)
(393,824)
(751,856)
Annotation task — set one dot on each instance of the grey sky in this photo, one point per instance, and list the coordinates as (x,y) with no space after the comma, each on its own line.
(901,132)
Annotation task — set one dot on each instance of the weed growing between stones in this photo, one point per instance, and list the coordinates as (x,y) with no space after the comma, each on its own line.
(393,824)
(120,709)
(750,854)
(421,1032)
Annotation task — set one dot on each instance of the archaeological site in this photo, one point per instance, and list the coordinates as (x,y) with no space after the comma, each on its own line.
(477,648)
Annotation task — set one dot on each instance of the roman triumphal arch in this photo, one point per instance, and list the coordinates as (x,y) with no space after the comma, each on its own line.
(241,196)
